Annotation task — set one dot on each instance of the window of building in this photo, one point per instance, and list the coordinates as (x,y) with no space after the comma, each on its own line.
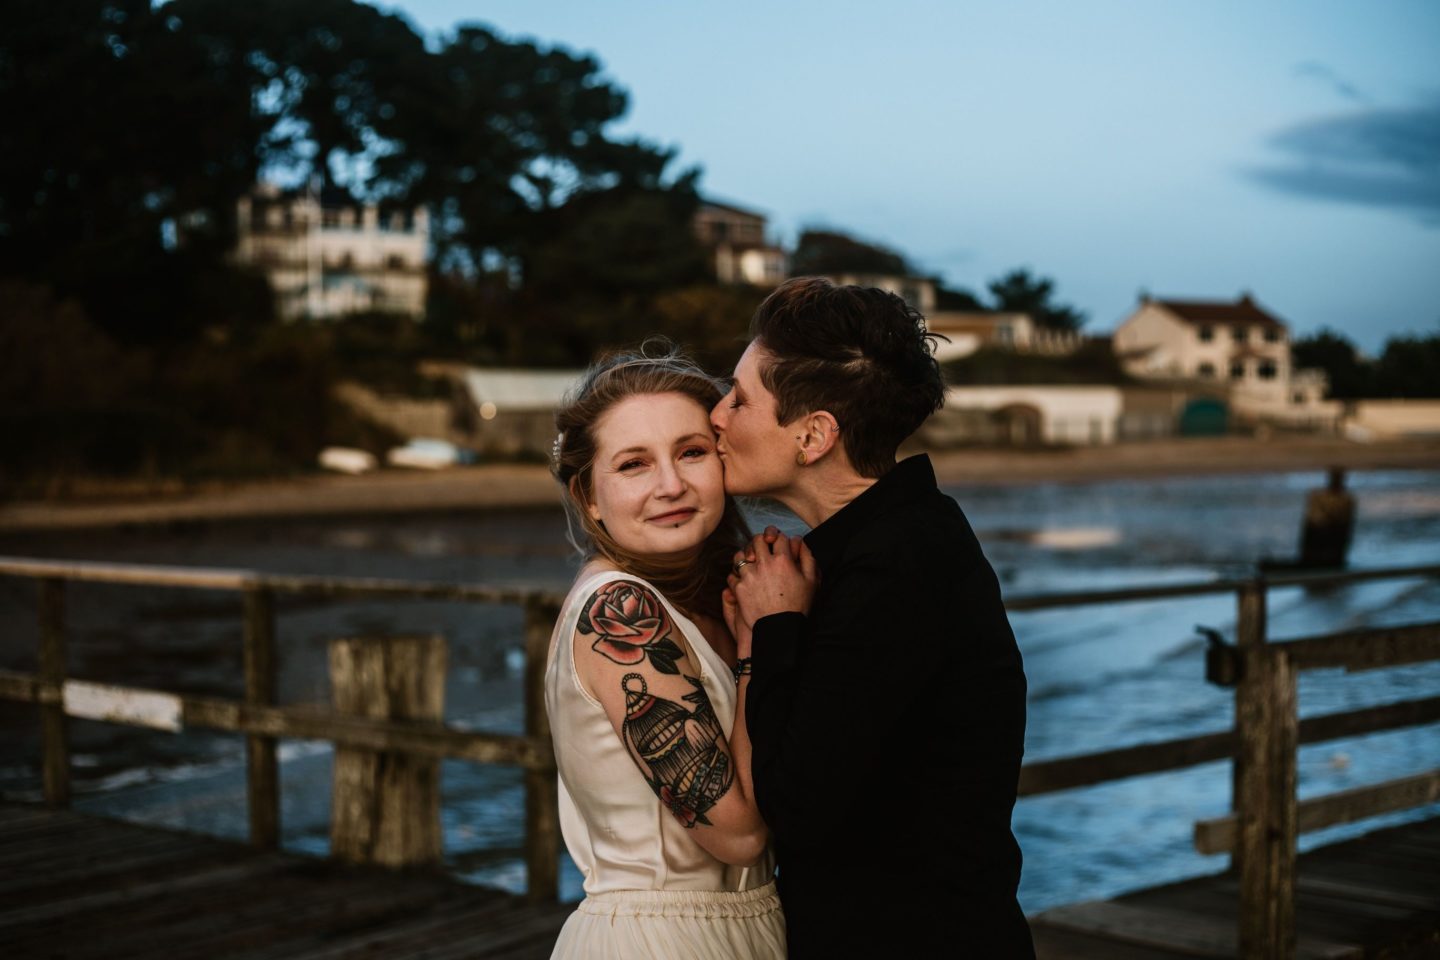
(1239,334)
(1298,398)
(1266,370)
(347,261)
(395,262)
(1207,334)
(1206,370)
(1272,335)
(1237,370)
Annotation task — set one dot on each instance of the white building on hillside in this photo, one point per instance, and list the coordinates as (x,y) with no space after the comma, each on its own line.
(919,292)
(968,331)
(1027,416)
(739,250)
(326,256)
(1239,344)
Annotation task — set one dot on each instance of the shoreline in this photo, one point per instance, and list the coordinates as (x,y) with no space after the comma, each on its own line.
(530,486)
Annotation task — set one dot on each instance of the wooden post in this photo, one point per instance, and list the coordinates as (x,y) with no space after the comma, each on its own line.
(262,773)
(542,804)
(385,806)
(1250,615)
(1264,800)
(54,728)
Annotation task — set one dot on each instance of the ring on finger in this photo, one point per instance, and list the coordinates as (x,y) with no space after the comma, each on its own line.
(740,563)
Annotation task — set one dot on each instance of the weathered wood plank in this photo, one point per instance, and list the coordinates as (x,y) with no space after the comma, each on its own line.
(385,806)
(1395,904)
(262,771)
(458,920)
(542,803)
(190,882)
(420,738)
(133,860)
(1193,933)
(1146,927)
(1366,649)
(1346,806)
(54,727)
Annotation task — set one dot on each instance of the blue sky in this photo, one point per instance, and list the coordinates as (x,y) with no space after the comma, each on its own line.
(1288,148)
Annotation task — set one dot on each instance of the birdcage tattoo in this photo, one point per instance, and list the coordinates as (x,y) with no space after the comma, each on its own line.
(679,746)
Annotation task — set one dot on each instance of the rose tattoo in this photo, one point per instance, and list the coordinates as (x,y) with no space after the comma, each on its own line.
(632,625)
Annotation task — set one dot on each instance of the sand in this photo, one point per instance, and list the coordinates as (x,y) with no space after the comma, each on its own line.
(529,486)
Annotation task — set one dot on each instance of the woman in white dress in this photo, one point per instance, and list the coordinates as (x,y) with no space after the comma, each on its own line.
(646,698)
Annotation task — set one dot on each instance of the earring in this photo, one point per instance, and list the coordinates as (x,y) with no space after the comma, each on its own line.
(800,460)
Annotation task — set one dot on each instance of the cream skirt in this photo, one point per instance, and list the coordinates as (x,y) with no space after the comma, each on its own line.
(675,925)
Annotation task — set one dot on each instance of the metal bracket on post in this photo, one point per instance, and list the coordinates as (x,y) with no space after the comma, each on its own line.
(1222,660)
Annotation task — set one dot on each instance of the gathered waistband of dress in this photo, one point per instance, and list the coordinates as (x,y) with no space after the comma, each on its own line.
(683,903)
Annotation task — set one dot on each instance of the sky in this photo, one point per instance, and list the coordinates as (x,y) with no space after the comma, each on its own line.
(1289,149)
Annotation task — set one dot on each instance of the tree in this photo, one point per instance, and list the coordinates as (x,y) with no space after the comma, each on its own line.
(615,242)
(958,298)
(1350,376)
(94,179)
(1019,292)
(498,134)
(1410,367)
(828,252)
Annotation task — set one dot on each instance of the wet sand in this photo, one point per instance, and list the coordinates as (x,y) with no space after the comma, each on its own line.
(529,486)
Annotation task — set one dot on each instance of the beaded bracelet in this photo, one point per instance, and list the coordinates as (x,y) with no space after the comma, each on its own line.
(741,668)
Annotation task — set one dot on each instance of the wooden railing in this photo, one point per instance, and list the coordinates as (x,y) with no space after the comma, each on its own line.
(1260,832)
(1266,816)
(261,720)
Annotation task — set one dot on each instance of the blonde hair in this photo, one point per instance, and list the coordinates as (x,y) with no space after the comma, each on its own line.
(656,367)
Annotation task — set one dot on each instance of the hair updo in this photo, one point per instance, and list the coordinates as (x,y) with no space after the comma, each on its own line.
(693,584)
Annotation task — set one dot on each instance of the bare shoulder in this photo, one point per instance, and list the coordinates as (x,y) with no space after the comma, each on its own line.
(624,622)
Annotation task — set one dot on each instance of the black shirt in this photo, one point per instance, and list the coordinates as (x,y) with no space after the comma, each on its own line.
(887,729)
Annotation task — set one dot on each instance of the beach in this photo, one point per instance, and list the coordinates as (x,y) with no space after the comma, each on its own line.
(528,486)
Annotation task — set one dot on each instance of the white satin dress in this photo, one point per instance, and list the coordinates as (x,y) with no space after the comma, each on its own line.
(650,889)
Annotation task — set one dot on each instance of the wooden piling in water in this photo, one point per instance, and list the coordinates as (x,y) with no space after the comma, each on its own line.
(542,801)
(385,806)
(262,768)
(54,727)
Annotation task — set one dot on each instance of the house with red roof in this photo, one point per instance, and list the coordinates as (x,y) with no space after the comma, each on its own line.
(1238,346)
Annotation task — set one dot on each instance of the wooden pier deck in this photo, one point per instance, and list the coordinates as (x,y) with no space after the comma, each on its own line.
(74,887)
(1377,896)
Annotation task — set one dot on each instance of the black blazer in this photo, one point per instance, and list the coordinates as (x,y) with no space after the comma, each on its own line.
(888,727)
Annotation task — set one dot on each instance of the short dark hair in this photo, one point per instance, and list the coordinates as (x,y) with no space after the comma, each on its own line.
(861,353)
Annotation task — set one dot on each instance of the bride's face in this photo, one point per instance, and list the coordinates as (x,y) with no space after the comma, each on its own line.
(657,484)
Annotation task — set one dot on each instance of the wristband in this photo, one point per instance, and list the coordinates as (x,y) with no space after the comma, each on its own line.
(741,668)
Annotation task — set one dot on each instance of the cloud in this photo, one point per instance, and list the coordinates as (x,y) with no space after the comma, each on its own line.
(1375,157)
(1326,75)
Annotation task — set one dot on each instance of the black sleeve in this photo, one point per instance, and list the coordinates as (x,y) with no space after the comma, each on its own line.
(815,735)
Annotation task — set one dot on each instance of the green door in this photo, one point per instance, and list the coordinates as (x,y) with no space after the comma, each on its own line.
(1205,417)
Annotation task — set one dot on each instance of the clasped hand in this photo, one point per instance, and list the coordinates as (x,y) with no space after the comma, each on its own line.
(778,575)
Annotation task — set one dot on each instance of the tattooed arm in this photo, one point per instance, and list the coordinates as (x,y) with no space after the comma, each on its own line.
(629,655)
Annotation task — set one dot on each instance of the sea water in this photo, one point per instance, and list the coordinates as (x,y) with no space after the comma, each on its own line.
(1100,677)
